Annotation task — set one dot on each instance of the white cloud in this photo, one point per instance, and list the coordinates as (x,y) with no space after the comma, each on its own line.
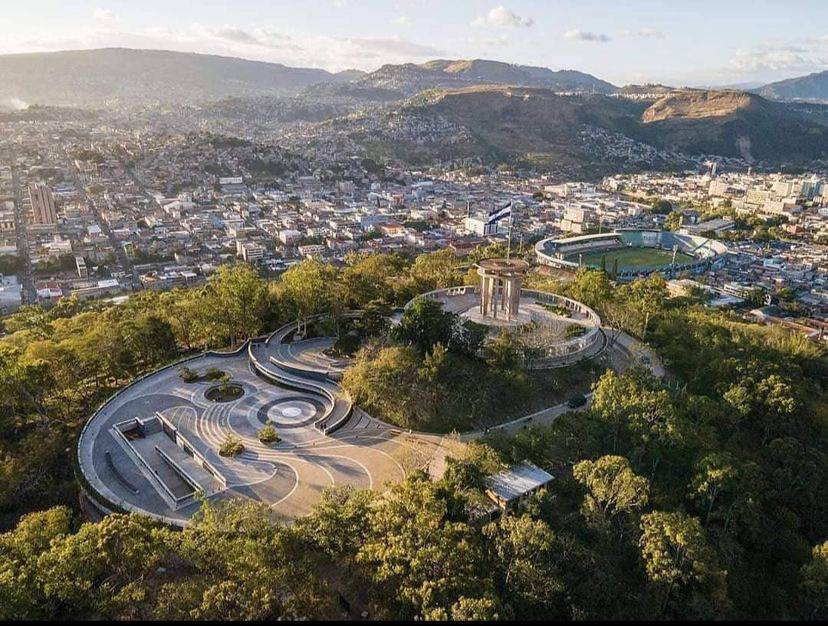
(649,33)
(260,44)
(259,37)
(500,16)
(775,59)
(394,47)
(402,20)
(103,15)
(642,33)
(498,40)
(582,35)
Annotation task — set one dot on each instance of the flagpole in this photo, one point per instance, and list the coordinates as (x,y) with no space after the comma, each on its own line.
(509,244)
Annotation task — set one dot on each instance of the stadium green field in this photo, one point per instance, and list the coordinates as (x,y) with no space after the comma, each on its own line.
(632,258)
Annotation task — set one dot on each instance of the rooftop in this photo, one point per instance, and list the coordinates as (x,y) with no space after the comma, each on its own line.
(517,481)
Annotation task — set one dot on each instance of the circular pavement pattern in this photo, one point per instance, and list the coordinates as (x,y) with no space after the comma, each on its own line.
(291,412)
(289,478)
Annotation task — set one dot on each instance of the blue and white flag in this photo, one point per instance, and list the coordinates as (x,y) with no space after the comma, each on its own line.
(502,213)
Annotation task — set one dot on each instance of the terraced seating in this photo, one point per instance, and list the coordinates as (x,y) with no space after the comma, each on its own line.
(272,360)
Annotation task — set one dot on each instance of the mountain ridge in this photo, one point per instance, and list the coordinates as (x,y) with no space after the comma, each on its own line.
(410,78)
(497,122)
(123,75)
(812,87)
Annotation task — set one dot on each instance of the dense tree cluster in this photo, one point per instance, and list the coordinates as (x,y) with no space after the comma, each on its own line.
(702,496)
(434,371)
(57,364)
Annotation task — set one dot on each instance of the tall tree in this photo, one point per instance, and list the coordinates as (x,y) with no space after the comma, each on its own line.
(526,562)
(682,566)
(308,288)
(421,561)
(615,493)
(239,298)
(814,583)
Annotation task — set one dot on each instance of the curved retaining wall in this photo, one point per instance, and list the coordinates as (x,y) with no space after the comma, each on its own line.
(577,346)
(276,367)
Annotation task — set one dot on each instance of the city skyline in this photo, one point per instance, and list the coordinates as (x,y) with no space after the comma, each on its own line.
(624,42)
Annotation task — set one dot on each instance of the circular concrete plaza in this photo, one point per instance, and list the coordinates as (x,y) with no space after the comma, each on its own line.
(542,321)
(153,447)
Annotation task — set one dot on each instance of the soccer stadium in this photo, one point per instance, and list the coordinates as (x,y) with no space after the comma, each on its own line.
(628,253)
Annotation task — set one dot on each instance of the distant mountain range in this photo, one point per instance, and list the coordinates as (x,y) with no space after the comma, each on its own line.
(813,87)
(410,78)
(124,76)
(736,123)
(442,109)
(127,76)
(119,75)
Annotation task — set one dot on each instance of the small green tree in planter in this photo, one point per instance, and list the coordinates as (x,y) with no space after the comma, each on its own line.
(268,434)
(187,375)
(224,383)
(231,446)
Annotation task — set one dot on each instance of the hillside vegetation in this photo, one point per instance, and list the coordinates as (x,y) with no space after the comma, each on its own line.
(410,78)
(810,87)
(500,123)
(703,498)
(119,75)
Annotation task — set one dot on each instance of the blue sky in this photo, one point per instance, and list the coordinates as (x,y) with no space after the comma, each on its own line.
(694,42)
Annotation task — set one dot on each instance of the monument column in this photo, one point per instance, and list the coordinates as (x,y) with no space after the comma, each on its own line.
(500,285)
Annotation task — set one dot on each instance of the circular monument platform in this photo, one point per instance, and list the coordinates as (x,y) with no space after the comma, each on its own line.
(543,321)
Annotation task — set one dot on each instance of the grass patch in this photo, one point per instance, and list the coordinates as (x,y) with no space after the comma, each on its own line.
(210,374)
(557,310)
(461,394)
(631,258)
(224,393)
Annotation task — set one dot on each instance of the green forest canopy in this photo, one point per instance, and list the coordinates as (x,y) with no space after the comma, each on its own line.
(706,497)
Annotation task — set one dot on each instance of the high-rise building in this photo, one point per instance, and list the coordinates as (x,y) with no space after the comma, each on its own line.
(43,204)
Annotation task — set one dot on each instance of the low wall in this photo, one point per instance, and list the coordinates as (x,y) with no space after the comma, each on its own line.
(288,375)
(182,442)
(83,465)
(173,500)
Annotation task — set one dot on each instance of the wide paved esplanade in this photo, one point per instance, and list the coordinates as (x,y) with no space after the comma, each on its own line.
(155,445)
(500,284)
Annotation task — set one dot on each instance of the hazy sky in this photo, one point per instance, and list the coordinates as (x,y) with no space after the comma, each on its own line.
(675,41)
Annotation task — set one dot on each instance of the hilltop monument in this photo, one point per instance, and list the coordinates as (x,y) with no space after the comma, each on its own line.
(500,284)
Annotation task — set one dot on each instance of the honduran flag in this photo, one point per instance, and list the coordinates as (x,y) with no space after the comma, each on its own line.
(502,213)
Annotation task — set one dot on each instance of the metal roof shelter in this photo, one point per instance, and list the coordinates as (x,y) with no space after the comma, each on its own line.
(516,483)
